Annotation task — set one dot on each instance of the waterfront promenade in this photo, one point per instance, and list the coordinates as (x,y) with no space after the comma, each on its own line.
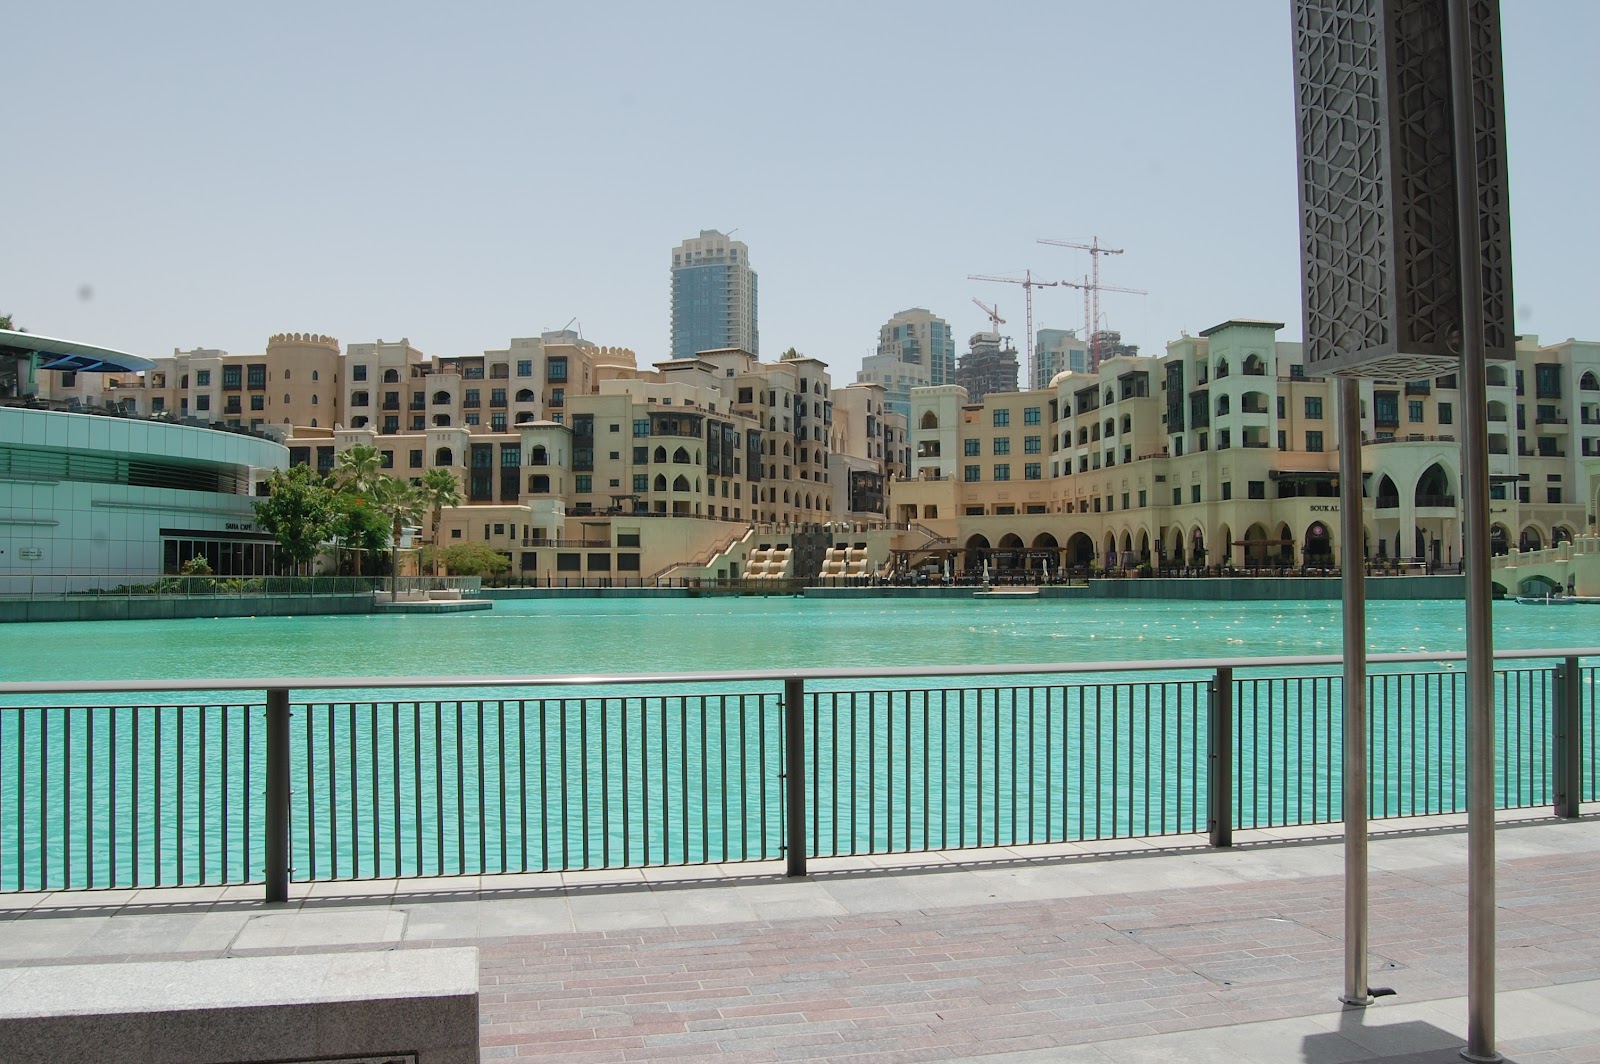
(1130,951)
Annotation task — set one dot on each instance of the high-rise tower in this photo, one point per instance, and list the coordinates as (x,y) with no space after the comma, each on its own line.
(713,296)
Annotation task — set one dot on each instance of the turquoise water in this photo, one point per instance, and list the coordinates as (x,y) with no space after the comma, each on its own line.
(696,635)
(389,782)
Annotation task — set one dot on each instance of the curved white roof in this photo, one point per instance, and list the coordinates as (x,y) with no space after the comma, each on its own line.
(71,355)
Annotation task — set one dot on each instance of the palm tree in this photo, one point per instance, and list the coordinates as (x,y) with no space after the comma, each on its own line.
(357,469)
(355,472)
(401,503)
(439,489)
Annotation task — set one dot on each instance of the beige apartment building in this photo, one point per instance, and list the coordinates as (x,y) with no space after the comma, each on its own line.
(296,382)
(576,463)
(1223,451)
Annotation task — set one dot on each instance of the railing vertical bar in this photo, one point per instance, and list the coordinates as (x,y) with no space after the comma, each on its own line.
(683,775)
(417,788)
(483,791)
(605,789)
(461,787)
(394,785)
(566,785)
(353,789)
(794,771)
(275,844)
(133,803)
(583,779)
(1220,781)
(1566,761)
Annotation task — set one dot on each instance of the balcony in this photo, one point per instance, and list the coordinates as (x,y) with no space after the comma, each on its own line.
(1419,388)
(1423,502)
(1549,419)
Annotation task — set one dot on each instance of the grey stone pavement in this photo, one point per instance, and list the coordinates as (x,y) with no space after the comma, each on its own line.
(1133,951)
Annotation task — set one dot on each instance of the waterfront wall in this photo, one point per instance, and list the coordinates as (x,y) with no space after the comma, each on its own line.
(1222,589)
(165,608)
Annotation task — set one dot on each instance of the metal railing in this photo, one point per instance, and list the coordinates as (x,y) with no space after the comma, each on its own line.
(358,778)
(144,585)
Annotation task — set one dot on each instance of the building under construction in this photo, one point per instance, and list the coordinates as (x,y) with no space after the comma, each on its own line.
(990,366)
(1107,343)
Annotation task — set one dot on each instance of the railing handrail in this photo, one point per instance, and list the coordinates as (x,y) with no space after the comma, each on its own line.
(775,675)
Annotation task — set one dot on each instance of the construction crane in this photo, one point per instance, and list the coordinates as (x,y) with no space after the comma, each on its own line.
(1028,285)
(1090,309)
(1095,250)
(994,314)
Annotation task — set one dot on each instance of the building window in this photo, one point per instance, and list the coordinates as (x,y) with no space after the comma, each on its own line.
(583,483)
(358,373)
(1194,491)
(1314,408)
(973,447)
(524,367)
(1002,471)
(1002,445)
(1414,411)
(1227,490)
(1258,489)
(641,426)
(258,402)
(232,377)
(556,371)
(202,378)
(1446,414)
(1032,444)
(1030,415)
(973,473)
(1314,441)
(1144,499)
(202,402)
(414,459)
(1032,471)
(1002,419)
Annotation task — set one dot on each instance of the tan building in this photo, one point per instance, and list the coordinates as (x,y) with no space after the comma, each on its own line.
(1224,451)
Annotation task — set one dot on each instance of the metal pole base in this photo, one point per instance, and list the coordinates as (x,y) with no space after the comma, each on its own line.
(1356,1003)
(1493,1058)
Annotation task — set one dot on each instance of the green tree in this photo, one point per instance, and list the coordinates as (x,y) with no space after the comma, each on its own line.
(439,489)
(358,527)
(298,512)
(472,559)
(357,469)
(400,504)
(5,323)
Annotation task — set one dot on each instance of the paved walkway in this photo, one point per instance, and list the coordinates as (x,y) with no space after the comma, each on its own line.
(1133,952)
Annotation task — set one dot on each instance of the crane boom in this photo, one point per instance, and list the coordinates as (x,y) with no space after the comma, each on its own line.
(994,314)
(1093,287)
(1028,285)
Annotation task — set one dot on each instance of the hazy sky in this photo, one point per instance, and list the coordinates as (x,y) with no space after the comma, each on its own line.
(182,175)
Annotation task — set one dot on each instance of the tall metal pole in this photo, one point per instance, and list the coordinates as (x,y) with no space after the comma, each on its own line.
(1475,551)
(1353,568)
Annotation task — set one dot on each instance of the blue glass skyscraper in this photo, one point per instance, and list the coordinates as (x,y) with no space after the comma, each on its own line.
(713,296)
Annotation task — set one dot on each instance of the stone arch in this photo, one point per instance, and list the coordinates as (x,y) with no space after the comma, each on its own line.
(1495,375)
(1254,403)
(1589,382)
(1108,550)
(1144,545)
(930,420)
(1285,544)
(1110,397)
(1388,497)
(1222,368)
(1256,547)
(1109,429)
(1127,424)
(441,398)
(680,456)
(1197,546)
(539,483)
(1560,534)
(1045,541)
(444,457)
(1435,487)
(660,456)
(537,455)
(1499,540)
(525,395)
(1080,550)
(359,421)
(1253,366)
(1319,543)
(1222,404)
(1224,545)
(1530,538)
(525,417)
(661,482)
(680,483)
(391,376)
(441,421)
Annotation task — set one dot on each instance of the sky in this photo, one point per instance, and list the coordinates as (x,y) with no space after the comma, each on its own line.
(206,175)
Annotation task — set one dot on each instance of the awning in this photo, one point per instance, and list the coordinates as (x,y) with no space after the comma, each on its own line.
(70,356)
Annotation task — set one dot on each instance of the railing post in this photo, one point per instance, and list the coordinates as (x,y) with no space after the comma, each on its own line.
(276,847)
(1566,759)
(1219,757)
(794,774)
